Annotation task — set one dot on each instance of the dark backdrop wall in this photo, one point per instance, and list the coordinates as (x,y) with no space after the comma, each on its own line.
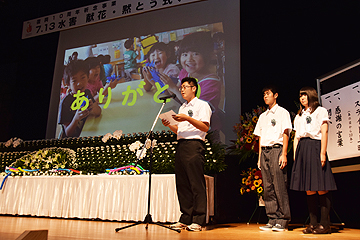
(287,43)
(26,67)
(291,43)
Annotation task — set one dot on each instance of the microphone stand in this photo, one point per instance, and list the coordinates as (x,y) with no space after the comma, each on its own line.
(148,219)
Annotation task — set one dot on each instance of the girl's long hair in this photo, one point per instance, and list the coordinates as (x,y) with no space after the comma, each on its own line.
(312,96)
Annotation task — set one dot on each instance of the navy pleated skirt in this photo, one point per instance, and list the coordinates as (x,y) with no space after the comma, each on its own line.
(307,173)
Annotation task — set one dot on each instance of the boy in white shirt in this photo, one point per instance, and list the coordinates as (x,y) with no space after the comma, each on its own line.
(273,128)
(193,123)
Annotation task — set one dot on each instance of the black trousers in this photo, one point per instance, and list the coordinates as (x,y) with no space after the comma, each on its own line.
(190,181)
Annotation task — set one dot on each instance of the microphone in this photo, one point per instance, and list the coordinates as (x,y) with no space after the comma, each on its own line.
(167,97)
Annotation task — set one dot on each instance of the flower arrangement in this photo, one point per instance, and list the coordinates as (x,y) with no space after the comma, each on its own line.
(247,144)
(45,160)
(252,182)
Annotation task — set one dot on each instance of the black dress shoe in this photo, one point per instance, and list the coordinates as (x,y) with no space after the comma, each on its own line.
(309,229)
(320,229)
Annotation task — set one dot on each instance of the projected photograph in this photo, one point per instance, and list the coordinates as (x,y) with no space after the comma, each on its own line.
(117,85)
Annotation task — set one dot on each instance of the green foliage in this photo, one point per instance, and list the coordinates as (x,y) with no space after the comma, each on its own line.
(215,156)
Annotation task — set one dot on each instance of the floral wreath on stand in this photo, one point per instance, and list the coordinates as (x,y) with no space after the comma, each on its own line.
(247,144)
(252,182)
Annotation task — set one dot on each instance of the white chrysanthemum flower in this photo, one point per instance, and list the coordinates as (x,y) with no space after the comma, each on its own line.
(148,143)
(154,143)
(17,142)
(141,153)
(9,142)
(135,146)
(117,134)
(106,137)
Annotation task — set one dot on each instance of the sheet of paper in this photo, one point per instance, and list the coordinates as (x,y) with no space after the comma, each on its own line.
(168,116)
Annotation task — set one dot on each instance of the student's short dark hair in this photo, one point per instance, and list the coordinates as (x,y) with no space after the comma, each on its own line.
(192,81)
(128,43)
(272,88)
(72,68)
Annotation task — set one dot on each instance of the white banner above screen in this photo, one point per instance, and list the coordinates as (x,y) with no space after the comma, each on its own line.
(93,14)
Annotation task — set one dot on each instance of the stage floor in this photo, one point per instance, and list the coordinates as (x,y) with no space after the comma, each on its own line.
(12,227)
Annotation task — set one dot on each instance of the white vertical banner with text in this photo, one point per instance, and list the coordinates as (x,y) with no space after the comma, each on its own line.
(343,106)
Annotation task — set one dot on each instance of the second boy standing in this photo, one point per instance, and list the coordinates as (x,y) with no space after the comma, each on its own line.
(273,128)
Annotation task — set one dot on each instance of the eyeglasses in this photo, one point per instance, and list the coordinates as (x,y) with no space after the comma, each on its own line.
(184,87)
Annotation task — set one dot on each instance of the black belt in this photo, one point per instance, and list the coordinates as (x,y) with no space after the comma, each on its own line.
(271,147)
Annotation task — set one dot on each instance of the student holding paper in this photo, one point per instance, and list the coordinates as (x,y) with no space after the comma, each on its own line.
(193,123)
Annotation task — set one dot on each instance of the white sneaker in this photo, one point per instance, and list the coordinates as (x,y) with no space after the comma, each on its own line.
(267,227)
(194,227)
(278,228)
(178,226)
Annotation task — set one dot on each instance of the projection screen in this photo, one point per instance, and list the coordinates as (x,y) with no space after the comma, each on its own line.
(130,106)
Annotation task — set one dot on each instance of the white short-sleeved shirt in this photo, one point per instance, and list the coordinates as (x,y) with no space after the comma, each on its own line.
(199,110)
(271,125)
(309,125)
